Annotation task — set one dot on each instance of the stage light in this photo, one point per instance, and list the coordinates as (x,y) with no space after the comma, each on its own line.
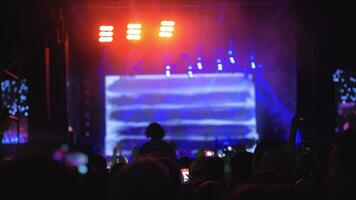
(165,34)
(200,65)
(220,67)
(167,23)
(106,28)
(230,52)
(190,74)
(134,26)
(168,67)
(166,29)
(106,33)
(133,32)
(253,65)
(105,39)
(133,37)
(168,73)
(232,60)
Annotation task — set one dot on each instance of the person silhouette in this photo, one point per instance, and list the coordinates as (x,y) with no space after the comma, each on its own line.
(156,146)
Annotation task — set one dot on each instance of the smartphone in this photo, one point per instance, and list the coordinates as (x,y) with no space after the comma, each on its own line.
(185,174)
(209,153)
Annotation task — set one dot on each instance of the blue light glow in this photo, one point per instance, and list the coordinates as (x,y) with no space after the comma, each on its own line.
(168,73)
(83,169)
(190,74)
(230,52)
(218,60)
(253,65)
(232,60)
(220,67)
(200,65)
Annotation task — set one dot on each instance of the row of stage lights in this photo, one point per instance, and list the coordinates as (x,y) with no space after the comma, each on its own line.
(134,31)
(199,65)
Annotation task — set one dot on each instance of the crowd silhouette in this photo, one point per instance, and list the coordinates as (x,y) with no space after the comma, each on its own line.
(273,171)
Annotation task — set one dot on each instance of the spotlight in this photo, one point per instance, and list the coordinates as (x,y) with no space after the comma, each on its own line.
(200,65)
(133,32)
(106,33)
(166,29)
(232,60)
(168,73)
(253,65)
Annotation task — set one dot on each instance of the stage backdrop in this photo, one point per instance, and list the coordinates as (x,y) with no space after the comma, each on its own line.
(204,111)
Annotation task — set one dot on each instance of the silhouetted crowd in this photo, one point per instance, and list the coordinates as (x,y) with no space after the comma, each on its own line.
(46,170)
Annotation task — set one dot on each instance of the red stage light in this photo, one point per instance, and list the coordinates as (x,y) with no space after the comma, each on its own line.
(166,29)
(106,33)
(133,31)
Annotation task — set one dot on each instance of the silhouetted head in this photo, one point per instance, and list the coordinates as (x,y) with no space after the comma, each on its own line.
(277,159)
(261,148)
(147,178)
(263,191)
(210,190)
(97,162)
(241,166)
(154,130)
(173,170)
(214,169)
(268,177)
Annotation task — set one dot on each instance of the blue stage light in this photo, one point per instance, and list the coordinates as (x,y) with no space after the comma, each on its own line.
(168,73)
(253,65)
(200,65)
(230,52)
(232,60)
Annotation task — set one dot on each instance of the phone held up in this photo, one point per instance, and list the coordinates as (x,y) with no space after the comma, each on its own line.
(185,175)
